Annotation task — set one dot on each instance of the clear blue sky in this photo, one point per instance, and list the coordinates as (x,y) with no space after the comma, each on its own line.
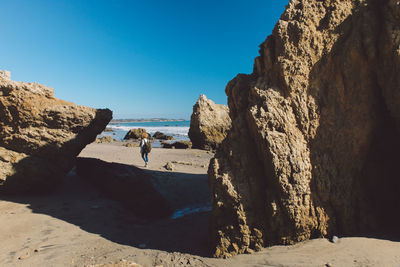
(142,58)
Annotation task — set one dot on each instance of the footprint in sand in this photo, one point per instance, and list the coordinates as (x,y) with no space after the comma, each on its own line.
(26,253)
(46,232)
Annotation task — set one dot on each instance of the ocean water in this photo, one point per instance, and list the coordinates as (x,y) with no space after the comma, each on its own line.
(178,129)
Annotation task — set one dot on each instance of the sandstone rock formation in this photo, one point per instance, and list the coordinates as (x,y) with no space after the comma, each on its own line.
(162,136)
(104,139)
(5,75)
(209,124)
(40,136)
(135,133)
(315,142)
(128,184)
(177,144)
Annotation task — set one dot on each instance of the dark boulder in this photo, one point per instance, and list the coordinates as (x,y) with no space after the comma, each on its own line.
(162,136)
(177,144)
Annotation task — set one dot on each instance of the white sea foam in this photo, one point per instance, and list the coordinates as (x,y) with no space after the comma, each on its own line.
(168,130)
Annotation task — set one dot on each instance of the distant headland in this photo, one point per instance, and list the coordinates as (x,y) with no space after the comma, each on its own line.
(143,120)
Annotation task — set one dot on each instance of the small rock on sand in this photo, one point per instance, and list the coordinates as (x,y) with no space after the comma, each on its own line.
(335,239)
(169,166)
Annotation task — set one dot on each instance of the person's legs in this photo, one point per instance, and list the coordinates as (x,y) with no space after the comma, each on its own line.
(145,158)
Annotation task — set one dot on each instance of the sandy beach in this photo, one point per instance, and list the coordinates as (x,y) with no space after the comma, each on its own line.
(76,226)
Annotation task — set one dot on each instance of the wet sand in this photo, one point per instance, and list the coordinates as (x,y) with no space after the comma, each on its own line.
(76,226)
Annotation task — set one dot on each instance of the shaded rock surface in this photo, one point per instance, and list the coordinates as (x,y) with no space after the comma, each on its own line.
(40,136)
(127,184)
(313,149)
(135,133)
(209,124)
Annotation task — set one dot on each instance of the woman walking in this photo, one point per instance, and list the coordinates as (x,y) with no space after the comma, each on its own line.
(145,148)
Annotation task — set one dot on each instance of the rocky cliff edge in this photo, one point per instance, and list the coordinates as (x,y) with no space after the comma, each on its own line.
(40,136)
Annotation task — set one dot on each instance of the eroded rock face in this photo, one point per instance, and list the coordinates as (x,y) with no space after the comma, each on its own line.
(315,136)
(5,74)
(40,136)
(209,124)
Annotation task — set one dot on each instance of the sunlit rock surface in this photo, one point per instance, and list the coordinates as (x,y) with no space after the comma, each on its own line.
(209,124)
(40,136)
(314,145)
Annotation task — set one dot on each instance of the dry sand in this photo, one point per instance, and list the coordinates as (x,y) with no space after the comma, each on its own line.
(76,226)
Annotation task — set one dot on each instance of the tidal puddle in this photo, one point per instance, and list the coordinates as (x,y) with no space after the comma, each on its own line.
(190,210)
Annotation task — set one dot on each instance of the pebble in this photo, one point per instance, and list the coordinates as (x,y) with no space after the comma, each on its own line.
(335,239)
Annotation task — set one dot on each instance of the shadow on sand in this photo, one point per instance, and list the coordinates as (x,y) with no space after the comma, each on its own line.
(79,203)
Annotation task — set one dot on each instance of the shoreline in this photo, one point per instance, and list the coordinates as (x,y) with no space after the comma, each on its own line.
(118,130)
(144,120)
